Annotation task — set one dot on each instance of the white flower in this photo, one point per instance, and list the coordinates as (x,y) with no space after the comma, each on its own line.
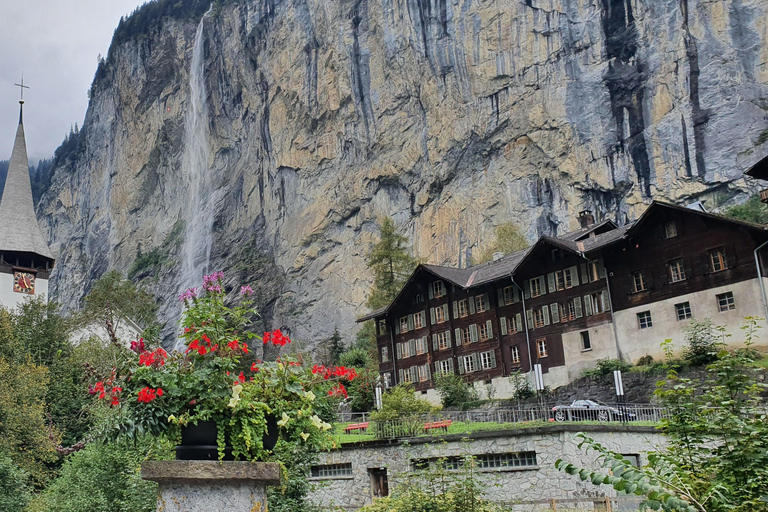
(317,422)
(326,426)
(283,422)
(304,436)
(309,396)
(236,389)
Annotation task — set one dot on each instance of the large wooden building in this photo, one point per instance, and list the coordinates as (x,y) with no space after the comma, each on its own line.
(604,291)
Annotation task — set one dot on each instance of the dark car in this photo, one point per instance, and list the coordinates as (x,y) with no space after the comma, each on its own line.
(581,410)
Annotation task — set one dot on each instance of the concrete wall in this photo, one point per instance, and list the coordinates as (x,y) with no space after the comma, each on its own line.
(507,485)
(636,342)
(11,299)
(577,360)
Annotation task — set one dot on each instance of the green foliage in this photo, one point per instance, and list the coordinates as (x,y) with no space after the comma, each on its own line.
(361,389)
(291,495)
(753,210)
(606,367)
(456,392)
(400,402)
(646,360)
(704,340)
(522,385)
(101,478)
(508,240)
(390,263)
(147,263)
(335,348)
(14,491)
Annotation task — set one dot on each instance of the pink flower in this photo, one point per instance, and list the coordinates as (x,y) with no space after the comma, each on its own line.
(188,295)
(246,291)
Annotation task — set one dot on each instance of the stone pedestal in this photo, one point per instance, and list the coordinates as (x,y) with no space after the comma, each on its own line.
(204,486)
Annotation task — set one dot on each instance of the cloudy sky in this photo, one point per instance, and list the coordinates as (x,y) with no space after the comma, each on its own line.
(55,43)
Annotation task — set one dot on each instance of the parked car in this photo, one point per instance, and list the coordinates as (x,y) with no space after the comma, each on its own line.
(581,410)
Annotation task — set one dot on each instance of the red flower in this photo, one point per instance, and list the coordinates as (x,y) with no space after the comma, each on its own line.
(147,394)
(115,401)
(338,390)
(241,377)
(254,368)
(159,391)
(138,346)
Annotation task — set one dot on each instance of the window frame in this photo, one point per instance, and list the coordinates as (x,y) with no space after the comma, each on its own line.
(728,305)
(538,292)
(438,289)
(481,306)
(670,233)
(384,354)
(469,362)
(422,372)
(440,315)
(465,337)
(463,308)
(488,354)
(330,471)
(541,348)
(421,346)
(442,340)
(509,295)
(514,354)
(584,336)
(538,318)
(482,331)
(644,320)
(643,284)
(403,323)
(685,308)
(721,260)
(418,320)
(678,264)
(446,366)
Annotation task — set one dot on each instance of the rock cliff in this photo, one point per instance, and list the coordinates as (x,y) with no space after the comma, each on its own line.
(267,137)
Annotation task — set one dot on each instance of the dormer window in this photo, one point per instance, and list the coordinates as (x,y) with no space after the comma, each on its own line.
(438,289)
(670,230)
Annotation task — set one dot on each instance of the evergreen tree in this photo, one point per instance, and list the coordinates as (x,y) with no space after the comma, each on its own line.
(751,211)
(335,347)
(390,263)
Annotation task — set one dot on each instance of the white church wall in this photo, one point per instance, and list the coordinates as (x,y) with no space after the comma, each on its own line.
(11,299)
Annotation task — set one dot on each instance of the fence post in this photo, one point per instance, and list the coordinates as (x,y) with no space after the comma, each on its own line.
(553,505)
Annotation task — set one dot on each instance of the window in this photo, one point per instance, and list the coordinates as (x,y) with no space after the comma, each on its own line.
(421,345)
(541,346)
(586,344)
(463,310)
(407,375)
(592,272)
(446,366)
(469,363)
(438,289)
(638,281)
(509,295)
(717,260)
(484,332)
(644,320)
(725,301)
(481,304)
(536,287)
(465,337)
(513,324)
(538,318)
(633,458)
(596,302)
(439,315)
(418,320)
(560,279)
(564,278)
(382,326)
(514,353)
(384,354)
(331,470)
(676,270)
(683,310)
(404,324)
(670,230)
(387,380)
(506,460)
(488,360)
(423,372)
(567,312)
(442,340)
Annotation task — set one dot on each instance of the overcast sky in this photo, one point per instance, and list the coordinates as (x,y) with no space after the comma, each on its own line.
(55,43)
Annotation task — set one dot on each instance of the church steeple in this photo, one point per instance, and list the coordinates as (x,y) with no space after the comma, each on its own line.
(20,233)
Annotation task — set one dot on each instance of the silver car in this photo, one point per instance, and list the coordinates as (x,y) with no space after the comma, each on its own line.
(581,410)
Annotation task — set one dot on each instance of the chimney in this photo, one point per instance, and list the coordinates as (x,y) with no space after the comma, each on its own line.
(497,256)
(586,218)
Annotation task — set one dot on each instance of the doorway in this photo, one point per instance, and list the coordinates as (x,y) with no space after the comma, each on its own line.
(379,483)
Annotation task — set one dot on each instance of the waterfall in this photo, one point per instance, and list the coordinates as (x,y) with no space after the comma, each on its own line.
(198,209)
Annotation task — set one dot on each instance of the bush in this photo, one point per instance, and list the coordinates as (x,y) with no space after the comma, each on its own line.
(704,340)
(606,367)
(646,360)
(401,402)
(455,392)
(14,492)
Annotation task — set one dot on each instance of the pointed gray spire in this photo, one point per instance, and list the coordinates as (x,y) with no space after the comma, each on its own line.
(19,230)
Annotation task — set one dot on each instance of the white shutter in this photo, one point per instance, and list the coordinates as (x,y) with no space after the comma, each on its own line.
(399,350)
(515,293)
(432,316)
(584,273)
(448,337)
(426,367)
(503,323)
(545,314)
(604,299)
(445,312)
(437,368)
(587,305)
(423,317)
(493,359)
(600,269)
(527,289)
(529,318)
(552,284)
(410,322)
(412,348)
(461,365)
(487,301)
(450,365)
(473,333)
(431,293)
(414,373)
(399,376)
(542,285)
(500,296)
(489,328)
(577,307)
(553,309)
(476,361)
(455,309)
(457,332)
(471,301)
(574,270)
(519,321)
(434,342)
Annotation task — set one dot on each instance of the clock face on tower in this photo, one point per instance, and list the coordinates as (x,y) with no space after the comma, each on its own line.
(23,282)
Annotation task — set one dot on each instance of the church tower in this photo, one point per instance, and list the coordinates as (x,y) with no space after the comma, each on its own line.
(25,258)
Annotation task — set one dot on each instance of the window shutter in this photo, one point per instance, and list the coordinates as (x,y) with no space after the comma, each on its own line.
(412,347)
(519,321)
(487,301)
(450,365)
(473,333)
(432,316)
(455,309)
(529,318)
(437,368)
(500,296)
(545,314)
(577,307)
(410,322)
(429,375)
(553,309)
(600,269)
(489,328)
(476,361)
(414,373)
(584,274)
(434,342)
(431,292)
(574,270)
(457,332)
(587,305)
(493,359)
(542,285)
(399,351)
(461,365)
(448,337)
(399,376)
(515,293)
(503,324)
(551,279)
(397,326)
(445,312)
(604,299)
(471,303)
(423,318)
(527,289)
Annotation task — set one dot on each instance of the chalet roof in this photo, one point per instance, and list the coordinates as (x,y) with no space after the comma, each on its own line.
(584,232)
(663,204)
(759,170)
(19,230)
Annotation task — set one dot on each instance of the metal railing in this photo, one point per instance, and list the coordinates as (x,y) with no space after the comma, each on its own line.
(464,421)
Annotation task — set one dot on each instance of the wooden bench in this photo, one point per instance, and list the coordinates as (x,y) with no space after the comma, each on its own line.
(438,424)
(356,426)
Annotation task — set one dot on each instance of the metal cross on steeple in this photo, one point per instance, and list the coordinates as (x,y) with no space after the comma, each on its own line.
(21,86)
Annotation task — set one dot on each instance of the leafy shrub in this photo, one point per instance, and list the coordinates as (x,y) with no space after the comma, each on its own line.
(401,402)
(14,492)
(646,360)
(606,367)
(704,340)
(456,392)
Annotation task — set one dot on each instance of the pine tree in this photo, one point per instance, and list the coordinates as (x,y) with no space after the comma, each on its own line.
(335,347)
(390,263)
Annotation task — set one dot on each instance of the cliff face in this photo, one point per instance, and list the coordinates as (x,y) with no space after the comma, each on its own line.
(269,138)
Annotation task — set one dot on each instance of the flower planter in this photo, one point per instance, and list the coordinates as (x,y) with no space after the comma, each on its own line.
(198,442)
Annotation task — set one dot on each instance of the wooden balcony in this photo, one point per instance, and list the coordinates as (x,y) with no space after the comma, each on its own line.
(764,196)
